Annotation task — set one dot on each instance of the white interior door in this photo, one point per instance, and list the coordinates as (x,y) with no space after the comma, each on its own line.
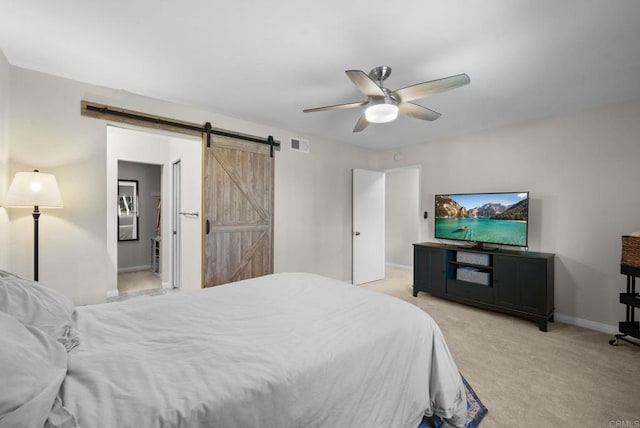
(176,220)
(368,232)
(187,205)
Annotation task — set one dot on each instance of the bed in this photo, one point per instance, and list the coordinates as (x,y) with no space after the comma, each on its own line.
(283,350)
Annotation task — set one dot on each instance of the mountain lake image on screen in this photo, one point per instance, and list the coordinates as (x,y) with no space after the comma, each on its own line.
(493,218)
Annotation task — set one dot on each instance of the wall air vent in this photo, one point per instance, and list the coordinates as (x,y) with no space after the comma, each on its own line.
(299,145)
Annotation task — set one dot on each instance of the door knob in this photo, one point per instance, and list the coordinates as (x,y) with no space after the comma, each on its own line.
(356,233)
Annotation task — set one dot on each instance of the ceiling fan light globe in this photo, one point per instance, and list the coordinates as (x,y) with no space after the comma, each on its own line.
(381,113)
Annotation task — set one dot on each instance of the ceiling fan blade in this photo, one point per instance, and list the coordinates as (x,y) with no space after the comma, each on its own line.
(366,85)
(361,124)
(424,89)
(418,112)
(336,107)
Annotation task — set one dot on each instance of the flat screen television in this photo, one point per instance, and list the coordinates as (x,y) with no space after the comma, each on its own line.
(483,218)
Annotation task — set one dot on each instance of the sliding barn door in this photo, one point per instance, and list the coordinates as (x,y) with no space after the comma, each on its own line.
(238,201)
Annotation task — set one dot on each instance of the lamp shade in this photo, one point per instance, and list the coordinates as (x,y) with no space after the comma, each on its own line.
(29,189)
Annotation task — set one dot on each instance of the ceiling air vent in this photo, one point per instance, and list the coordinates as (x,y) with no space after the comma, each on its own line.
(299,145)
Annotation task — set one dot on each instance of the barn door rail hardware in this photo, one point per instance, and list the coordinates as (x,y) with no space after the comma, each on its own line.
(102,111)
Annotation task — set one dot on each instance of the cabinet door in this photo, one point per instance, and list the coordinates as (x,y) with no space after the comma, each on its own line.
(437,280)
(520,283)
(532,282)
(420,269)
(428,270)
(505,282)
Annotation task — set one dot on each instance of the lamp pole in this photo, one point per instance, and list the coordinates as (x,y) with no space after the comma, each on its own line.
(36,217)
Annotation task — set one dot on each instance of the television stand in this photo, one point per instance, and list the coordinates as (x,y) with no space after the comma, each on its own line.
(519,283)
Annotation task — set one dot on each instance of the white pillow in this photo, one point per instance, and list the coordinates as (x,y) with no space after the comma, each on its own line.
(39,306)
(32,368)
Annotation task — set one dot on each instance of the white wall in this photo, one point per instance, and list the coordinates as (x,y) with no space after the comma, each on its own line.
(312,227)
(313,207)
(583,174)
(402,215)
(5,179)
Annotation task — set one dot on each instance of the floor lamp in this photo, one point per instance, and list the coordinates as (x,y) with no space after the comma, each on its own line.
(33,189)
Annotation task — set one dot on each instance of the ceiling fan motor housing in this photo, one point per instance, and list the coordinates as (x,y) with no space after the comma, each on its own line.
(380,73)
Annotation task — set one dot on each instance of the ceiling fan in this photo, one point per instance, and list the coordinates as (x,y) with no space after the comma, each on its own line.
(383,105)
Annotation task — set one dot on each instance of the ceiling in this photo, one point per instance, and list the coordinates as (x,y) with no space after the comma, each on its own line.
(266,61)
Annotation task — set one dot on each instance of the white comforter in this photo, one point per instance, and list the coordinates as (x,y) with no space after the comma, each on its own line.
(285,350)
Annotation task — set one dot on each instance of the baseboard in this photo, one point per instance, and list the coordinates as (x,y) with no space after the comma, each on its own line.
(397,266)
(166,285)
(112,293)
(134,268)
(592,325)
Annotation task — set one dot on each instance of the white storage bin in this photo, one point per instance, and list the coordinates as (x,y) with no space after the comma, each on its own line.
(473,258)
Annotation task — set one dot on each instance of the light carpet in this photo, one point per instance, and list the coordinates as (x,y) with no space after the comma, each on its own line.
(567,377)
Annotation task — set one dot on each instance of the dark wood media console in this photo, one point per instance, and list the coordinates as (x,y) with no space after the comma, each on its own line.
(519,283)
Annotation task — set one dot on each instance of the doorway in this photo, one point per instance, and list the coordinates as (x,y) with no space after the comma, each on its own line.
(162,150)
(392,199)
(139,202)
(402,216)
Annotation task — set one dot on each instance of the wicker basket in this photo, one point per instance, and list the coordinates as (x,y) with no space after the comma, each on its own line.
(630,251)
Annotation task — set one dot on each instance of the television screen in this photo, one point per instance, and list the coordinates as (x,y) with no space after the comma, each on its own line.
(493,218)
